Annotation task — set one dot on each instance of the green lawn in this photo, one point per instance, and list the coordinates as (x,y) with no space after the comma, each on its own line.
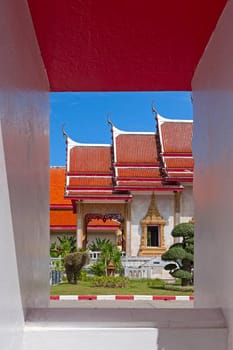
(135,288)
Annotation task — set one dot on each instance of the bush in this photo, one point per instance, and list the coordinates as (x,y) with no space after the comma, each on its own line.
(98,244)
(156,283)
(83,276)
(62,246)
(181,255)
(177,282)
(182,274)
(110,282)
(97,269)
(73,263)
(178,288)
(109,254)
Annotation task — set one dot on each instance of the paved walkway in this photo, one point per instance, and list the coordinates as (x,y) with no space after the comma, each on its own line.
(128,304)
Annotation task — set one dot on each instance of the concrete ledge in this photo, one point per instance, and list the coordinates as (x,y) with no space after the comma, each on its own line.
(125,329)
(97,318)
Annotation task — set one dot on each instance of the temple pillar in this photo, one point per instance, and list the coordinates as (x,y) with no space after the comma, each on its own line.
(127,230)
(79,225)
(176,208)
(176,211)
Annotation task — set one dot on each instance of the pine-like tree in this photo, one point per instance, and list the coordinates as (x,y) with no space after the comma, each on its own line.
(181,254)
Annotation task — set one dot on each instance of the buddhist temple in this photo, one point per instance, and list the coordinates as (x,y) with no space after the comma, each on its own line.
(132,191)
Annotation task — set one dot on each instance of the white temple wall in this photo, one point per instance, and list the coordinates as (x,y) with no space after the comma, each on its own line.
(140,205)
(24,176)
(213,154)
(186,204)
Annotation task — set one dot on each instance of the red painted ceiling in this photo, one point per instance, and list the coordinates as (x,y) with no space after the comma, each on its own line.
(123,45)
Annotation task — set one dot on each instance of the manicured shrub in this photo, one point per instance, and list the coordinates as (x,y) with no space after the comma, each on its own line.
(177,288)
(73,263)
(155,283)
(110,282)
(181,255)
(83,276)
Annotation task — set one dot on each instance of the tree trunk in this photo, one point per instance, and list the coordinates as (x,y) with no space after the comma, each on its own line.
(185,282)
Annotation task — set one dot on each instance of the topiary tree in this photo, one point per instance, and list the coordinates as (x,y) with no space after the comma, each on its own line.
(73,264)
(181,254)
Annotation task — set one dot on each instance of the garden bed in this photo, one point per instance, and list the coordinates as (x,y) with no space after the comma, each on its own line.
(135,287)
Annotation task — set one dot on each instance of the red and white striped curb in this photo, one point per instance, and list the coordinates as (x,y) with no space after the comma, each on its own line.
(121,297)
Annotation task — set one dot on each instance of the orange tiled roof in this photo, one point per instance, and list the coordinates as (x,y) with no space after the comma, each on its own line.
(62,218)
(91,181)
(177,137)
(183,163)
(100,222)
(89,168)
(93,192)
(176,149)
(134,162)
(178,175)
(140,183)
(57,183)
(136,148)
(94,159)
(138,173)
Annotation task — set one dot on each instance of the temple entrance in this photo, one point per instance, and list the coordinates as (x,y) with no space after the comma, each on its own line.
(107,226)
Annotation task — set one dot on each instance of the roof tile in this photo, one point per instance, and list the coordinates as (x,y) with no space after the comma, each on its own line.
(57,183)
(96,159)
(91,182)
(136,148)
(177,137)
(62,218)
(138,173)
(179,163)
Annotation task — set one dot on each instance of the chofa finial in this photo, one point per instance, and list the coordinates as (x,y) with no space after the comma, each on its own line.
(109,120)
(64,133)
(154,111)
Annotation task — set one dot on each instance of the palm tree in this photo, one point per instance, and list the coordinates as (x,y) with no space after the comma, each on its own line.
(66,244)
(97,245)
(109,253)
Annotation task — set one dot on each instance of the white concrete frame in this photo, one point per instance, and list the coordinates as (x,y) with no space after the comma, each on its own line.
(24,209)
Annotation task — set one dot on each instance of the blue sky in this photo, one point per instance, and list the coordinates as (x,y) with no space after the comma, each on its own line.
(85,115)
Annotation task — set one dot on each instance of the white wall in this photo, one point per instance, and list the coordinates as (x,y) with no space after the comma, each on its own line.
(140,205)
(213,183)
(186,204)
(24,118)
(92,235)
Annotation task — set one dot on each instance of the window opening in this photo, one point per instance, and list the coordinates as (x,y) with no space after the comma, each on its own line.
(153,236)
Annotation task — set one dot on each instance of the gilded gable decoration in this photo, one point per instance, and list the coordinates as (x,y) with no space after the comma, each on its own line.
(152,240)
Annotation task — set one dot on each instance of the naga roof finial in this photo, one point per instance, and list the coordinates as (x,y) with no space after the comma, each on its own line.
(109,120)
(64,133)
(154,111)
